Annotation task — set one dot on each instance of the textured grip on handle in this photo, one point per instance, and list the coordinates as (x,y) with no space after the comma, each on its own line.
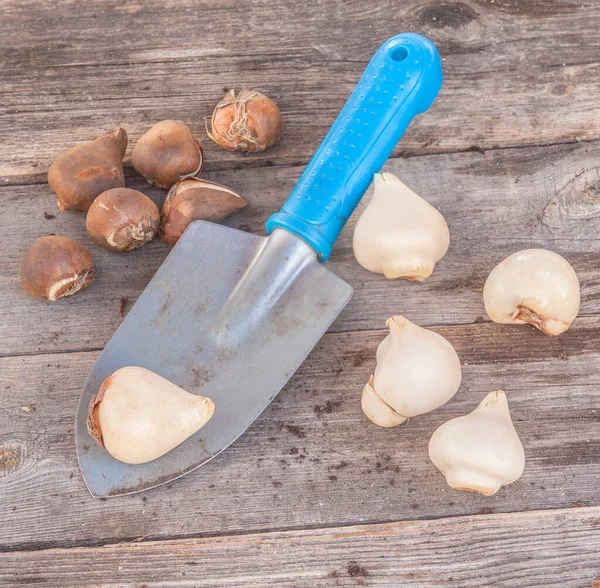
(401,81)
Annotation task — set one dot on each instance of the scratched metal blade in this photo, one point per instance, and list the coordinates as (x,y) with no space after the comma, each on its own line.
(228,315)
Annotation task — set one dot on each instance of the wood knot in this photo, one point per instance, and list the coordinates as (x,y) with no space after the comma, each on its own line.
(576,206)
(446,15)
(12,457)
(561,89)
(451,24)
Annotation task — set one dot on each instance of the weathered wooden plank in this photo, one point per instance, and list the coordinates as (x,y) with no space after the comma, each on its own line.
(544,549)
(495,204)
(312,459)
(517,73)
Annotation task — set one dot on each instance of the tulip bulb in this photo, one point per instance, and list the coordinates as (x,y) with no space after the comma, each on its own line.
(56,266)
(399,234)
(534,286)
(195,199)
(377,410)
(139,416)
(417,371)
(480,451)
(82,173)
(122,219)
(248,122)
(166,153)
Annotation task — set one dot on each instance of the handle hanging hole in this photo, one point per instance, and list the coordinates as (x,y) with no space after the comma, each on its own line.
(399,54)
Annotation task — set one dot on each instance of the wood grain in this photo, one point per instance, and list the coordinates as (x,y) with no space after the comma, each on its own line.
(312,459)
(516,73)
(540,549)
(495,204)
(521,77)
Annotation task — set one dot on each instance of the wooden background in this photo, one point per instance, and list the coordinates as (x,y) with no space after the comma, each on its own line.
(509,153)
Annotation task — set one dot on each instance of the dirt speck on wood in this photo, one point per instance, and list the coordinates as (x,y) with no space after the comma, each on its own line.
(355,570)
(122,304)
(326,408)
(293,429)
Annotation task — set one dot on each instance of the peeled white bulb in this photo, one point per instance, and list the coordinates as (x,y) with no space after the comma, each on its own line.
(377,410)
(480,451)
(417,371)
(399,234)
(534,286)
(138,415)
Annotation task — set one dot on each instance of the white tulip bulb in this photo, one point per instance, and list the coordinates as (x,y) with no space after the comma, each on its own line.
(534,286)
(399,234)
(417,371)
(377,410)
(138,415)
(480,451)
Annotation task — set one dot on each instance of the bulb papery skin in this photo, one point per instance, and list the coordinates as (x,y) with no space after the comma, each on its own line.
(534,286)
(377,411)
(480,451)
(138,416)
(417,371)
(399,234)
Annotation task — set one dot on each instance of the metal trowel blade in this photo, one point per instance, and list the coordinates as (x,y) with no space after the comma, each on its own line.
(229,315)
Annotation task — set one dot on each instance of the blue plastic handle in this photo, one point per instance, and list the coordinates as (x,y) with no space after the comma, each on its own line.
(401,81)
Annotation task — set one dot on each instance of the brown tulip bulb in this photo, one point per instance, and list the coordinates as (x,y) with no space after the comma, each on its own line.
(195,199)
(122,219)
(56,266)
(247,122)
(166,153)
(82,173)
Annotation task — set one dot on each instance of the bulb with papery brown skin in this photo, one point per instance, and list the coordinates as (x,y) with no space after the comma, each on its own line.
(167,153)
(249,121)
(79,175)
(138,416)
(195,199)
(122,219)
(55,266)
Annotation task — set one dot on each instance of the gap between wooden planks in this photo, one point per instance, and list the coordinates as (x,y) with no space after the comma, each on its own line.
(537,549)
(516,73)
(495,204)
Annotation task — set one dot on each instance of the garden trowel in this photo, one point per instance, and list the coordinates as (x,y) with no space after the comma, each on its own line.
(230,315)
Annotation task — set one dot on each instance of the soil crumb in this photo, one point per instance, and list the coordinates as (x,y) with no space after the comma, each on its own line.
(293,429)
(354,570)
(122,304)
(326,408)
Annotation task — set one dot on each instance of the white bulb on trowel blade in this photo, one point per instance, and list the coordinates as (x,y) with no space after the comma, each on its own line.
(139,416)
